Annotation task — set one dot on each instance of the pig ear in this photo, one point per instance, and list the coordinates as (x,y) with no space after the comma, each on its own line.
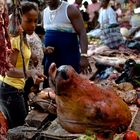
(52,71)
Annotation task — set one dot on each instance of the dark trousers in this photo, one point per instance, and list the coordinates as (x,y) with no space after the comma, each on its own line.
(27,89)
(12,105)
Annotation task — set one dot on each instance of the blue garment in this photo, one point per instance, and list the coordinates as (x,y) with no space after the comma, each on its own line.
(66,47)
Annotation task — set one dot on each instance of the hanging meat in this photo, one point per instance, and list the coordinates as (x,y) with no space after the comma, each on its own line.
(5,46)
(83,106)
(15,28)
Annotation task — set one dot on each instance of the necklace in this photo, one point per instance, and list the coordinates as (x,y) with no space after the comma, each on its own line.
(53,13)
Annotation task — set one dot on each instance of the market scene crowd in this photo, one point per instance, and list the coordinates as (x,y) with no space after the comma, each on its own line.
(77,65)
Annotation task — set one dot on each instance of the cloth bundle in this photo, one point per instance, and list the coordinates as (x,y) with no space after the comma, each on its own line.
(112,37)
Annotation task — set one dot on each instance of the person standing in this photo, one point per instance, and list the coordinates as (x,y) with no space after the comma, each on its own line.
(135,23)
(119,12)
(85,15)
(110,31)
(12,84)
(35,63)
(65,36)
(93,10)
(107,15)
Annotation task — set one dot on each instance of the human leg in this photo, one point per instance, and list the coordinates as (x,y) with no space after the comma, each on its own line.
(12,104)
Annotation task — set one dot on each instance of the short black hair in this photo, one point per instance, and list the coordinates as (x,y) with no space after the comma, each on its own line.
(36,1)
(85,3)
(26,6)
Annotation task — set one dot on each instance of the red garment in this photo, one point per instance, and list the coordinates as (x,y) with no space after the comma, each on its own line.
(5,45)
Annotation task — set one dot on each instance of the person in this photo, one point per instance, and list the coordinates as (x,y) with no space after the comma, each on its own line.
(39,19)
(93,10)
(35,63)
(135,24)
(110,31)
(107,15)
(12,103)
(66,35)
(85,4)
(36,45)
(119,12)
(112,4)
(39,30)
(135,18)
(129,11)
(85,15)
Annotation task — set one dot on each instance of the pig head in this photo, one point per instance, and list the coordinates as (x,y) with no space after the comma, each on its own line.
(83,106)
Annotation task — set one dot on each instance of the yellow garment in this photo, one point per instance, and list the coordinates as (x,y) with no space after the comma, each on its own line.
(18,82)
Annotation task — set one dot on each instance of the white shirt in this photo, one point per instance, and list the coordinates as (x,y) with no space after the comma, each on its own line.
(57,19)
(106,17)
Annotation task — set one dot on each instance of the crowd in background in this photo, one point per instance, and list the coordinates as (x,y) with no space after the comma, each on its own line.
(90,11)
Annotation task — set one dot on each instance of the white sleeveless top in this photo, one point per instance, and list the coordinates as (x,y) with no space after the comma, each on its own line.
(57,19)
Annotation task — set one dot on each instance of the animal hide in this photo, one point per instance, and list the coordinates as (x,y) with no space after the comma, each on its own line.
(83,106)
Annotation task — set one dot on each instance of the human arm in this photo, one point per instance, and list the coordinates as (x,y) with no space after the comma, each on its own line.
(18,73)
(78,24)
(14,72)
(15,59)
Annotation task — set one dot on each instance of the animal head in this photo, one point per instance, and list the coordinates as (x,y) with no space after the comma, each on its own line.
(62,78)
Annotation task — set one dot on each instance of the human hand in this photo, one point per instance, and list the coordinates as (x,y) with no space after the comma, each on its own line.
(38,78)
(49,50)
(85,66)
